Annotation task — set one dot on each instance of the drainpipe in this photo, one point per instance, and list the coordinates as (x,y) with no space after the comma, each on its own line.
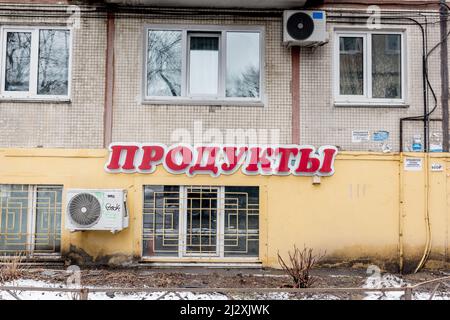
(295,94)
(445,133)
(444,76)
(401,215)
(109,79)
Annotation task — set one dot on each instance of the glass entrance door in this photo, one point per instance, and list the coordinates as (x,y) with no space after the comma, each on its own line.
(201,221)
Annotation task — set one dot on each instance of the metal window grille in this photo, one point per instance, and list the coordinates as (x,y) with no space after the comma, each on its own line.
(201,221)
(30,219)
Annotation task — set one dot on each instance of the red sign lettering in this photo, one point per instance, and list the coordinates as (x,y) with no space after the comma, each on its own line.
(217,159)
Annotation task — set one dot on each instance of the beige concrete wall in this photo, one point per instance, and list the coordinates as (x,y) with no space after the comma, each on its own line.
(371,210)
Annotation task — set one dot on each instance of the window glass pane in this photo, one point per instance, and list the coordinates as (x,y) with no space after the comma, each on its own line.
(18,51)
(161,217)
(386,66)
(47,237)
(203,65)
(351,66)
(241,230)
(164,63)
(243,64)
(53,68)
(14,202)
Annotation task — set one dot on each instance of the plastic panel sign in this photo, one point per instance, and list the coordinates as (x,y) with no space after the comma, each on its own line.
(216,160)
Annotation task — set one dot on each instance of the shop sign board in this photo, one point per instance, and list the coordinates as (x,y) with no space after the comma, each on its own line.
(216,160)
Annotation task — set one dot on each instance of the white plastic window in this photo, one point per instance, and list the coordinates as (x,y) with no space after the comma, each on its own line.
(35,63)
(370,67)
(203,64)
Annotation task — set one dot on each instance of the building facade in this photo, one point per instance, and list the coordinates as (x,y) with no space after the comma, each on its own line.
(78,76)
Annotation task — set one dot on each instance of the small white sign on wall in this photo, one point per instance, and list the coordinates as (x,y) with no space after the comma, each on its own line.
(437,167)
(413,164)
(360,136)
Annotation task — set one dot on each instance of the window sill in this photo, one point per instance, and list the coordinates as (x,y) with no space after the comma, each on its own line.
(192,102)
(369,104)
(34,100)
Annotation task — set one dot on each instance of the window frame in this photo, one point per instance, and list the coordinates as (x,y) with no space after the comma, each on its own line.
(32,94)
(185,98)
(188,64)
(366,99)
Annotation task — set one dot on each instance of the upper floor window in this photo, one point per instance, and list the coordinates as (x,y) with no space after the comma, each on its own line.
(209,65)
(35,63)
(370,67)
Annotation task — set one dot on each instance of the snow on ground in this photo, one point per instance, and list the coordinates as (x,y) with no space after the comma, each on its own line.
(386,281)
(391,281)
(54,295)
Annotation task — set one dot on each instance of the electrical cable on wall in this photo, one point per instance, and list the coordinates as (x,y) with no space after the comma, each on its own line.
(425,117)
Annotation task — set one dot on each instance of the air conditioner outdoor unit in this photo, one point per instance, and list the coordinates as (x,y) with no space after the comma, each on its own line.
(304,28)
(96,210)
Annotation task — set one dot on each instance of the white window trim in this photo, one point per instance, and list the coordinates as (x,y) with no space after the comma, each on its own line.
(366,99)
(185,98)
(32,95)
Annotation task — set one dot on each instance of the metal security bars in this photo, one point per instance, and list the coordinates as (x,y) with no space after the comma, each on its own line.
(241,229)
(201,221)
(30,219)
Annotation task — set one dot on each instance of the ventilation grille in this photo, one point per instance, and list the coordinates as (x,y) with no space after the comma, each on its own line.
(300,26)
(84,209)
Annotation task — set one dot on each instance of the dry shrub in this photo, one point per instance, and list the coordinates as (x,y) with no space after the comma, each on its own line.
(299,266)
(11,267)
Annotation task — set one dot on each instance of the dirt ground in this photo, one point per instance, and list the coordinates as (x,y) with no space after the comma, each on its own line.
(201,277)
(216,278)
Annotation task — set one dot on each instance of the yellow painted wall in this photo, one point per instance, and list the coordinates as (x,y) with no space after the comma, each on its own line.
(369,210)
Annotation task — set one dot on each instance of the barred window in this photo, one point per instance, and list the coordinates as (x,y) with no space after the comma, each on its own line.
(201,221)
(30,219)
